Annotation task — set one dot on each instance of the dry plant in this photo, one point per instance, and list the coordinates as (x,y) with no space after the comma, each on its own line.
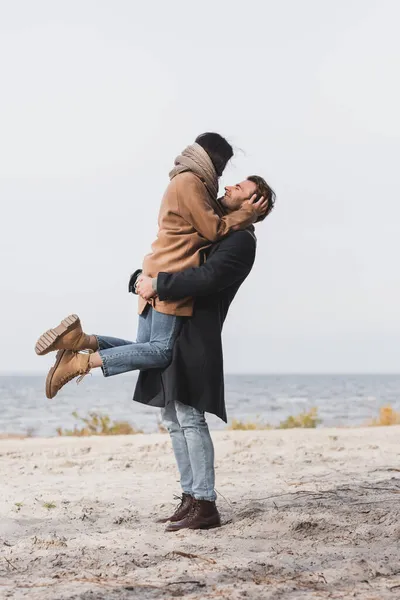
(161,427)
(387,416)
(237,425)
(305,420)
(98,424)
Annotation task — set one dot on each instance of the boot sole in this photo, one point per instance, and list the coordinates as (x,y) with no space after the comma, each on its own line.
(47,341)
(208,526)
(50,374)
(193,528)
(168,520)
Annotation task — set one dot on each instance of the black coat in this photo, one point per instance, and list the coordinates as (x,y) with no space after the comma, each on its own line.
(195,375)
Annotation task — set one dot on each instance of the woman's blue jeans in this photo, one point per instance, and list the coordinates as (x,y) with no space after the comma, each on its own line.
(153,347)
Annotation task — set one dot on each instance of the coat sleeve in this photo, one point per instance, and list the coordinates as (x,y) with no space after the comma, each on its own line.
(195,206)
(231,262)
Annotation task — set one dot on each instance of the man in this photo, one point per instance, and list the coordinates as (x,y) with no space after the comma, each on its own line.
(193,383)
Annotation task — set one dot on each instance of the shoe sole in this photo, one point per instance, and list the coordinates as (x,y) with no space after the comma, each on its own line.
(167,520)
(50,374)
(47,341)
(162,521)
(193,528)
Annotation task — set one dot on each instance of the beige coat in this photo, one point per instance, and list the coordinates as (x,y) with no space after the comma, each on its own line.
(189,221)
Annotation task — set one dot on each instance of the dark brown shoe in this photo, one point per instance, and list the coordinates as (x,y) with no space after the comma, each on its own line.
(202,515)
(182,510)
(68,335)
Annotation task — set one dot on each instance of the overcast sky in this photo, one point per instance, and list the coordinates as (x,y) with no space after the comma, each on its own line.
(98,97)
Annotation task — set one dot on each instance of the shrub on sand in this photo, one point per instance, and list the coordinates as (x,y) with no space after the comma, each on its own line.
(237,425)
(387,416)
(98,424)
(303,420)
(161,428)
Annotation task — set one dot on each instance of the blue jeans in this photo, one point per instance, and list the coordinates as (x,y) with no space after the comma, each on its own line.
(193,449)
(153,347)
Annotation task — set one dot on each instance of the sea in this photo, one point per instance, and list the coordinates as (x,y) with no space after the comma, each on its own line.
(341,400)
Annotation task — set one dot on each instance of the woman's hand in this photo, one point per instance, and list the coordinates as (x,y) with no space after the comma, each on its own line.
(259,207)
(144,287)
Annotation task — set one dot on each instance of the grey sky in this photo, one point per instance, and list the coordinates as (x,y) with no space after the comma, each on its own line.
(97,98)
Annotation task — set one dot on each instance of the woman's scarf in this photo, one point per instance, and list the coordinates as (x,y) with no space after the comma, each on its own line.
(195,159)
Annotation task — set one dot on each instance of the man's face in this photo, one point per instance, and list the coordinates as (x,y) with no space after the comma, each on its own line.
(235,195)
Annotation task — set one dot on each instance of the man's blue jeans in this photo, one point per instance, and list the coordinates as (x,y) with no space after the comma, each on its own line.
(153,347)
(193,449)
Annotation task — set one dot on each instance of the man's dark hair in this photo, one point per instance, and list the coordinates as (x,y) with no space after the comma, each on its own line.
(263,189)
(218,149)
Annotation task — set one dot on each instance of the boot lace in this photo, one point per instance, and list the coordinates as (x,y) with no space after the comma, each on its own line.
(193,510)
(67,378)
(181,501)
(81,377)
(72,375)
(88,370)
(84,373)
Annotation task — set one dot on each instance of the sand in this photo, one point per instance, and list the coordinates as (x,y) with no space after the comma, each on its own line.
(307,514)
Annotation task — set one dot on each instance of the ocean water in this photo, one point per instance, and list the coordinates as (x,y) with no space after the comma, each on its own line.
(341,400)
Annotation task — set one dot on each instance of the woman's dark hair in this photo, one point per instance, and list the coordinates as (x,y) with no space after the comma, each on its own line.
(263,189)
(218,149)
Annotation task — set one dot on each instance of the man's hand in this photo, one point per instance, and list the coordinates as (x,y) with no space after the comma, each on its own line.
(259,207)
(144,287)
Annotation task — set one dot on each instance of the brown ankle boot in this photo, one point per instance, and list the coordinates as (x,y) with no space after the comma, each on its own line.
(181,511)
(68,335)
(68,365)
(202,515)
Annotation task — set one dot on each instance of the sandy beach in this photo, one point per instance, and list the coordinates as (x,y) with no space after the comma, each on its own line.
(306,514)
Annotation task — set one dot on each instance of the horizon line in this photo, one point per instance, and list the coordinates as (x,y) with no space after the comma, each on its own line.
(244,374)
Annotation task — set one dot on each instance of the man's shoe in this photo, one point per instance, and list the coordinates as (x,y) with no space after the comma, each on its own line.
(68,335)
(68,365)
(202,515)
(181,511)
